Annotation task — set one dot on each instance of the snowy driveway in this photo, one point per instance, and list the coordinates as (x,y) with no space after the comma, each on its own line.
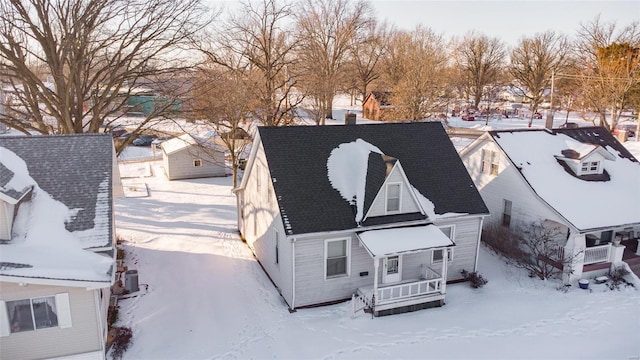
(209,299)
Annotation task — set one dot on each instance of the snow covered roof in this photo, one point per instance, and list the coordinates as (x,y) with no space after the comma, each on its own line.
(406,240)
(69,211)
(317,170)
(186,140)
(611,201)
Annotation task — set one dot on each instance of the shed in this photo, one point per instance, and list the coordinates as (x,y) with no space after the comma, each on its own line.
(186,157)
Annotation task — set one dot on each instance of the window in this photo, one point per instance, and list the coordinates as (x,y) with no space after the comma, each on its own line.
(258,178)
(277,242)
(197,162)
(437,255)
(32,314)
(506,213)
(489,162)
(590,167)
(337,257)
(393,197)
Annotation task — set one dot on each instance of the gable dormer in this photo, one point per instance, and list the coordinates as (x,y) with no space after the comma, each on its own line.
(586,162)
(13,189)
(395,195)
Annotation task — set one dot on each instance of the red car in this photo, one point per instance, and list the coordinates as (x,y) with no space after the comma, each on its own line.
(537,115)
(468,117)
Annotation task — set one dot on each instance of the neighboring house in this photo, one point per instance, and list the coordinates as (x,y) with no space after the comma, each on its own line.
(186,157)
(385,212)
(57,252)
(581,182)
(376,105)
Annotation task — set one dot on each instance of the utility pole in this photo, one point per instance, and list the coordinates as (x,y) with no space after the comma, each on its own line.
(549,120)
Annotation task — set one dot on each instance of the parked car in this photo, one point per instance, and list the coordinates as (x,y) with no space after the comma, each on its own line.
(537,115)
(569,125)
(468,117)
(629,128)
(118,132)
(144,140)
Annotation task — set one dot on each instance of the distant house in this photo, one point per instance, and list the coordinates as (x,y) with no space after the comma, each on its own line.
(581,182)
(372,212)
(186,157)
(376,105)
(57,251)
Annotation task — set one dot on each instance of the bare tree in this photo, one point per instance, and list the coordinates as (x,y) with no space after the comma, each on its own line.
(533,63)
(480,60)
(327,30)
(71,65)
(417,69)
(366,54)
(222,99)
(609,63)
(259,37)
(533,247)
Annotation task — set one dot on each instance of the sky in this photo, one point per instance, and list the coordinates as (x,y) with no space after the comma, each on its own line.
(508,20)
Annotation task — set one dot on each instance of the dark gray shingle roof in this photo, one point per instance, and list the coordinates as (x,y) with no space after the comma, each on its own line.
(297,159)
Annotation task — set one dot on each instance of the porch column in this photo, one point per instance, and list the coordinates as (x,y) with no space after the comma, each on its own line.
(445,265)
(615,254)
(573,258)
(376,266)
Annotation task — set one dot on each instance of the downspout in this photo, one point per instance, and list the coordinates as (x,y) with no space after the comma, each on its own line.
(293,274)
(475,265)
(101,325)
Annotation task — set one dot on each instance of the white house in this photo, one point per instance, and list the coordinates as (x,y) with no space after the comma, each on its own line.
(581,181)
(57,251)
(186,157)
(383,213)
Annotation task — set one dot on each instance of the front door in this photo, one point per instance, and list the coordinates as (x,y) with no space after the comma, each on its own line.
(392,269)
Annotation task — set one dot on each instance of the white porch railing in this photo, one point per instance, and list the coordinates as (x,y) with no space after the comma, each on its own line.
(596,254)
(398,292)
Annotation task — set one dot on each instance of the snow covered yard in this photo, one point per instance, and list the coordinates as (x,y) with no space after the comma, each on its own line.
(209,299)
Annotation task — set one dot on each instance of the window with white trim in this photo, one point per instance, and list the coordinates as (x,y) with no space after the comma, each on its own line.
(36,313)
(277,243)
(336,254)
(506,213)
(394,192)
(438,254)
(590,167)
(197,163)
(490,162)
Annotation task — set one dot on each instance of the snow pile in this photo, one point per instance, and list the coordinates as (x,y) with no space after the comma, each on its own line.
(347,171)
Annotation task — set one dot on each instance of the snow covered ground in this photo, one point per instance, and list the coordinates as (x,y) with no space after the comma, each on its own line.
(208,298)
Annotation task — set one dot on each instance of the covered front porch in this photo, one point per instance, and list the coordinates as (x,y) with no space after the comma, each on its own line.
(410,269)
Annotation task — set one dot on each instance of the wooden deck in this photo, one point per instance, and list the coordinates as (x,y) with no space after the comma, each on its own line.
(629,256)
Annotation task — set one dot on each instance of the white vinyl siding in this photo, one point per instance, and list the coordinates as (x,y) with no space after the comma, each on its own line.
(407,204)
(78,329)
(465,236)
(182,164)
(526,206)
(6,218)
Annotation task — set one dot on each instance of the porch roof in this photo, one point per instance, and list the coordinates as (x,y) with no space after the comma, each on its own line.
(387,242)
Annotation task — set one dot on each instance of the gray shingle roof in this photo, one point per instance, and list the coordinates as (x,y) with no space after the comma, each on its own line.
(297,159)
(5,176)
(77,171)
